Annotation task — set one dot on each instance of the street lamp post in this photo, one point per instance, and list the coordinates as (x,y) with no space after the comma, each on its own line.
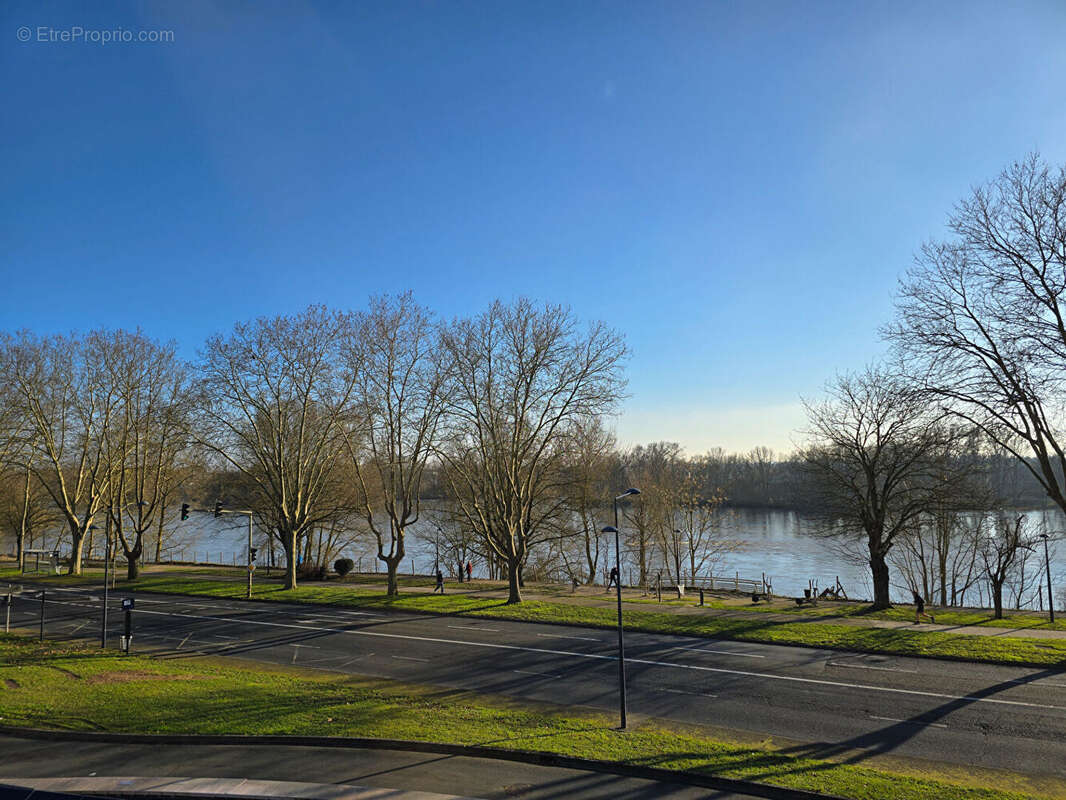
(618,595)
(1047,565)
(436,553)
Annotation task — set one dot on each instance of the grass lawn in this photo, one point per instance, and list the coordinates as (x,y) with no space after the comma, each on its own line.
(63,687)
(815,628)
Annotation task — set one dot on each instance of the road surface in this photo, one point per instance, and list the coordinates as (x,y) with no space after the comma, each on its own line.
(831,703)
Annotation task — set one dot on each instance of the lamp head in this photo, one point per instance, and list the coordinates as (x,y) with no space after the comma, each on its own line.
(627,493)
(609,529)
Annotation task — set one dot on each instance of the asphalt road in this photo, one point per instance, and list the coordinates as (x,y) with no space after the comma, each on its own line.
(470,777)
(835,704)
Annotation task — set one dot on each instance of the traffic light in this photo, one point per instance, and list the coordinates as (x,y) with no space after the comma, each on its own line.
(184,511)
(252,551)
(218,508)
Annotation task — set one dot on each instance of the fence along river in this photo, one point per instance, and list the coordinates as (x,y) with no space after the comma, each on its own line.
(777,544)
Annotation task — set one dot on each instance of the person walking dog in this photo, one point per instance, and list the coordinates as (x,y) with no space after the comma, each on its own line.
(919,608)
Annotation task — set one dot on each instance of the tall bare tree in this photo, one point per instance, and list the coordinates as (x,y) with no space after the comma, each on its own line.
(593,464)
(65,402)
(275,397)
(400,371)
(522,377)
(981,320)
(26,510)
(873,463)
(654,469)
(146,436)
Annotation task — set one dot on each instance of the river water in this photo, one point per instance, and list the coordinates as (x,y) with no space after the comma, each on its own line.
(778,544)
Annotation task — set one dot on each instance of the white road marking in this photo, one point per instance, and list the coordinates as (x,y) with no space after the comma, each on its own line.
(911,722)
(411,658)
(869,666)
(474,628)
(561,636)
(700,649)
(529,672)
(183,641)
(1038,683)
(648,662)
(353,660)
(682,691)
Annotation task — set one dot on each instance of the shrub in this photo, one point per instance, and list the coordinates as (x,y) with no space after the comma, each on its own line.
(342,566)
(312,572)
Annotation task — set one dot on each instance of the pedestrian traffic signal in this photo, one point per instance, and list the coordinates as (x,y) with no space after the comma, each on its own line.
(218,508)
(184,511)
(252,551)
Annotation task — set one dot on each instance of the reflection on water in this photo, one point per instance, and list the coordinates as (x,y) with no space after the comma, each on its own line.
(779,544)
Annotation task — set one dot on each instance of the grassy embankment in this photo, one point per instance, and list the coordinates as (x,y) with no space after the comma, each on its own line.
(814,628)
(63,687)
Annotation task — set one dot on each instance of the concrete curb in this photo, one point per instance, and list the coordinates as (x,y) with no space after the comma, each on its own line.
(473,751)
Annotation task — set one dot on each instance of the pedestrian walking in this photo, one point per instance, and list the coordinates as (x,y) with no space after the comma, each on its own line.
(919,609)
(440,582)
(469,572)
(612,578)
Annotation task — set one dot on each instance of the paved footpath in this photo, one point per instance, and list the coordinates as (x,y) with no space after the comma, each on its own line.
(243,770)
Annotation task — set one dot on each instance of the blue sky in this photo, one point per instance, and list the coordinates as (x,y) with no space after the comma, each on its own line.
(736,186)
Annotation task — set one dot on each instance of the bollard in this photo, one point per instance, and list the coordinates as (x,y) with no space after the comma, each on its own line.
(127,637)
(701,595)
(7,613)
(42,615)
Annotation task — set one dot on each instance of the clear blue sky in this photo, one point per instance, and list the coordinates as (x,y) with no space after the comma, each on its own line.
(736,186)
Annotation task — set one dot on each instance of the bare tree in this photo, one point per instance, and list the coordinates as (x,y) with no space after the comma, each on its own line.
(872,463)
(592,464)
(653,469)
(981,322)
(1000,553)
(145,436)
(275,398)
(398,362)
(65,402)
(523,377)
(26,510)
(697,515)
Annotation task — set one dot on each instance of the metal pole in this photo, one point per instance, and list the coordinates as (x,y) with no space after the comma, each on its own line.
(7,612)
(107,561)
(249,557)
(621,637)
(42,615)
(1050,601)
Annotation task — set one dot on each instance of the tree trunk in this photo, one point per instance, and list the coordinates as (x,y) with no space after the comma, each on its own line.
(21,544)
(997,599)
(391,567)
(133,567)
(77,544)
(288,543)
(514,593)
(879,571)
